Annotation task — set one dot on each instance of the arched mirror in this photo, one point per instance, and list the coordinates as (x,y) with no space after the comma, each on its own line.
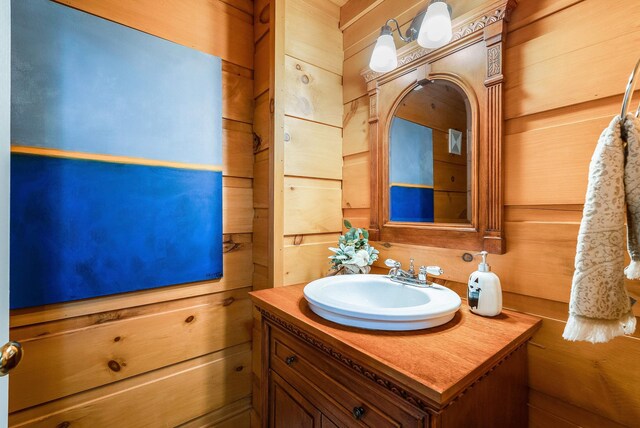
(435,132)
(430,156)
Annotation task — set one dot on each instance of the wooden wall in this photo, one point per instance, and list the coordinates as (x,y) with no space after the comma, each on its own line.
(298,145)
(312,137)
(566,66)
(174,356)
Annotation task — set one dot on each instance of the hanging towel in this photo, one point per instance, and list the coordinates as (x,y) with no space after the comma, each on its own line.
(600,308)
(632,193)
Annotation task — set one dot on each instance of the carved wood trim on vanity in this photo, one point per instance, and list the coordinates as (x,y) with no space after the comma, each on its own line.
(361,369)
(485,24)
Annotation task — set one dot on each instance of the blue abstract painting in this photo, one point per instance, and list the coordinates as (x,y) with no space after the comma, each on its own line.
(116,181)
(410,172)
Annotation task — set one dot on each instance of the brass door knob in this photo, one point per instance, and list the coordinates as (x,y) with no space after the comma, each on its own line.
(10,356)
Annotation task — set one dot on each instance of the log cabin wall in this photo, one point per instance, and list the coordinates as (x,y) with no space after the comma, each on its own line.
(173,356)
(297,144)
(312,146)
(566,66)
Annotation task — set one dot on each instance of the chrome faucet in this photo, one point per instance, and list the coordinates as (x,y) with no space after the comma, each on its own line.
(397,274)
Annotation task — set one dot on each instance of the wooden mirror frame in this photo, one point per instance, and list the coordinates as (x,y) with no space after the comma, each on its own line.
(473,61)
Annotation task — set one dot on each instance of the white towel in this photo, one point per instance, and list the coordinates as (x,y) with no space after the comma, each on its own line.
(600,308)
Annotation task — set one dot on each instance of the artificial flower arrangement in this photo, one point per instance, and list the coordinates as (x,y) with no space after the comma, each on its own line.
(353,254)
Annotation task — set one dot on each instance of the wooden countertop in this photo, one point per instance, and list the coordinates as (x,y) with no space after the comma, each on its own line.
(437,363)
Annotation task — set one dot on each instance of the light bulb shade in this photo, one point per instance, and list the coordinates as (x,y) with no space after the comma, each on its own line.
(384,57)
(435,30)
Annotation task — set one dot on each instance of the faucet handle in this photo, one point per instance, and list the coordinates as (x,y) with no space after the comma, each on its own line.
(432,270)
(392,263)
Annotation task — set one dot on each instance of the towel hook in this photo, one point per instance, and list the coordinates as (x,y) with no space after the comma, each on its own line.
(629,91)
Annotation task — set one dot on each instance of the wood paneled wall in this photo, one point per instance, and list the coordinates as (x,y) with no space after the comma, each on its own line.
(298,145)
(566,66)
(312,137)
(174,356)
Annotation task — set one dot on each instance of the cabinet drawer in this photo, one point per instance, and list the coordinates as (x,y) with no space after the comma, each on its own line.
(346,396)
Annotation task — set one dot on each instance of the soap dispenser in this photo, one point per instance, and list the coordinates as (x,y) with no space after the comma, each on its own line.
(484,293)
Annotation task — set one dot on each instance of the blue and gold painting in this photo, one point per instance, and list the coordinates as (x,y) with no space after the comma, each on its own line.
(116,177)
(410,172)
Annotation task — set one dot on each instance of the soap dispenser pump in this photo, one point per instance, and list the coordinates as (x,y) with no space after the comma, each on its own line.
(484,293)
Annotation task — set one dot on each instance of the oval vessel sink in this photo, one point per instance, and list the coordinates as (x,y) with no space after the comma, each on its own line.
(375,302)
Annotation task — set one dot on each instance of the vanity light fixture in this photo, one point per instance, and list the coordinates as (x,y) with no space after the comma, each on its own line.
(431,28)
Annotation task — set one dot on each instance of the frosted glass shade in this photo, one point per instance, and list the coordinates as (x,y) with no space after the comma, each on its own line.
(384,56)
(436,29)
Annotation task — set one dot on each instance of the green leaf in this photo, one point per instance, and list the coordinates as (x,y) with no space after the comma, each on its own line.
(365,233)
(347,224)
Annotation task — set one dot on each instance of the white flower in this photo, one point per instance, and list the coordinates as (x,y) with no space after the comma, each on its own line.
(361,258)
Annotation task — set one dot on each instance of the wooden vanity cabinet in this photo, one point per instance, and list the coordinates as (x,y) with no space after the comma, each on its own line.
(339,397)
(314,373)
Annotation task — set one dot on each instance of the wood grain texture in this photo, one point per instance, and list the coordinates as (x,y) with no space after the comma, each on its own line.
(261,67)
(244,5)
(357,173)
(306,257)
(612,388)
(168,396)
(237,93)
(446,364)
(261,236)
(538,52)
(546,411)
(278,107)
(312,149)
(311,206)
(261,180)
(261,18)
(262,123)
(312,121)
(237,208)
(315,41)
(234,415)
(355,130)
(237,149)
(126,346)
(312,93)
(353,10)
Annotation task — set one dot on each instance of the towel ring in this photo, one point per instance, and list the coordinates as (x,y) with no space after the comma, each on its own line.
(628,93)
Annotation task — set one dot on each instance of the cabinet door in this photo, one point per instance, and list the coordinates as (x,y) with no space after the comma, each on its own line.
(326,422)
(289,409)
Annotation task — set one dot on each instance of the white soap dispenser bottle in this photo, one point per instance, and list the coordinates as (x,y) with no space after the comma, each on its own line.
(484,293)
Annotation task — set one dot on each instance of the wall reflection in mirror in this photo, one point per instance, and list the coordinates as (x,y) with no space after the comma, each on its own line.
(430,156)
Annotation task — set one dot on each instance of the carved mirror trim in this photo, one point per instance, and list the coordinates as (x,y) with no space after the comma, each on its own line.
(481,30)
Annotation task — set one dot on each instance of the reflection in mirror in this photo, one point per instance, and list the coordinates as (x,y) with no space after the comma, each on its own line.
(429,156)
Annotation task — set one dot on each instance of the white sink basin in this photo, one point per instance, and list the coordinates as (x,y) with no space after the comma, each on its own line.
(375,302)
